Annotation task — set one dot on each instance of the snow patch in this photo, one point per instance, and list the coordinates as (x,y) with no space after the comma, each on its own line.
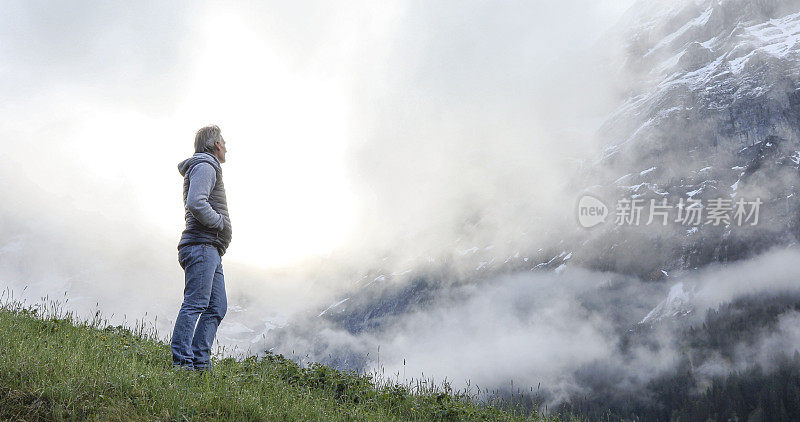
(332,306)
(696,22)
(677,303)
(643,172)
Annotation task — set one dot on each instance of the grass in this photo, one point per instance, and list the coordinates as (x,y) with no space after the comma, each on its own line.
(56,367)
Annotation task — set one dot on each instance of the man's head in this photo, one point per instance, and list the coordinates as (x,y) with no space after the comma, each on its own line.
(209,139)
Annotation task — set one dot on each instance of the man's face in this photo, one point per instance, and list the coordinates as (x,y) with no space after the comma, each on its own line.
(221,150)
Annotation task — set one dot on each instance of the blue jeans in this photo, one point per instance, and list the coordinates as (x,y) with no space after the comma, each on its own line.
(204,305)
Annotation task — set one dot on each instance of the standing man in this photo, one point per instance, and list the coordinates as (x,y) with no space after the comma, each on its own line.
(203,242)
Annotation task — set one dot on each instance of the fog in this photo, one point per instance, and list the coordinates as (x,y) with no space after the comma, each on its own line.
(351,130)
(562,330)
(364,140)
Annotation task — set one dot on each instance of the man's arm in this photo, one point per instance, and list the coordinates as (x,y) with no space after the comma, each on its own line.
(201,180)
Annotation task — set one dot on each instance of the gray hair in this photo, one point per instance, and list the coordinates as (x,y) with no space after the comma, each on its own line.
(206,138)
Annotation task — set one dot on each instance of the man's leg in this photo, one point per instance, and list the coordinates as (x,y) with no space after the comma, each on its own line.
(209,321)
(200,263)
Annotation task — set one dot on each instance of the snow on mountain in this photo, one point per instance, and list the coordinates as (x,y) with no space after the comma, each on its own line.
(716,59)
(710,109)
(332,306)
(677,303)
(708,82)
(712,105)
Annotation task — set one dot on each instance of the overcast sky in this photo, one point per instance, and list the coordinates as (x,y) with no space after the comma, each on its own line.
(367,128)
(374,127)
(100,102)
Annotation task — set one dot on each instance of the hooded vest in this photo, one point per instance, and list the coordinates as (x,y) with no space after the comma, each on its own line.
(195,232)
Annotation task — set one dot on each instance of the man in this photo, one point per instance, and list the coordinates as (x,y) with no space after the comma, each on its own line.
(200,250)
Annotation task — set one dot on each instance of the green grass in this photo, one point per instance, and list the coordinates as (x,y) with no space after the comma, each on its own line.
(54,366)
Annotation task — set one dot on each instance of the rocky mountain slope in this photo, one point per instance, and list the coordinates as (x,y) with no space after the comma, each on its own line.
(710,111)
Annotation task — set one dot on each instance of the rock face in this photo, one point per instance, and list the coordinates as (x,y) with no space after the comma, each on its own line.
(677,303)
(710,111)
(709,78)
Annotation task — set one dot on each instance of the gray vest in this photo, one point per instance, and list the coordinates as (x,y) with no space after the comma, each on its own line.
(195,232)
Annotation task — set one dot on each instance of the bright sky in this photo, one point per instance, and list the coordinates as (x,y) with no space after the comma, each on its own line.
(104,100)
(286,133)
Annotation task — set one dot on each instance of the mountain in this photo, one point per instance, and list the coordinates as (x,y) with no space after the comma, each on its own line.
(677,303)
(709,114)
(711,111)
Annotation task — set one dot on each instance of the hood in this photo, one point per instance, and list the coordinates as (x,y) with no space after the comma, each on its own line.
(198,157)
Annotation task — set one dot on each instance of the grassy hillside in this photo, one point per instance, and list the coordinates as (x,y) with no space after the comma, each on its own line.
(53,366)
